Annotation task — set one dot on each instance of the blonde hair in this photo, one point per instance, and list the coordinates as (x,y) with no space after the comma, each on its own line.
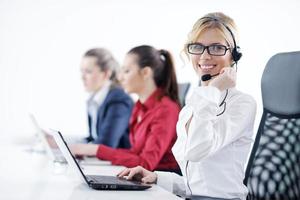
(216,20)
(105,61)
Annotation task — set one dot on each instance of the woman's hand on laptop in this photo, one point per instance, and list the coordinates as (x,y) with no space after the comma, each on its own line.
(138,173)
(84,149)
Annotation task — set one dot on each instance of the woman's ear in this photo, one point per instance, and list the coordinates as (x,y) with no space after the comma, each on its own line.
(108,74)
(147,73)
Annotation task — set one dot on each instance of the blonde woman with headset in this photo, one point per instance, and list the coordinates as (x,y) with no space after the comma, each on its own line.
(215,128)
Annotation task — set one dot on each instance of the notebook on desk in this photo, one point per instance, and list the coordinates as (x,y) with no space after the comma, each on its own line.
(96,181)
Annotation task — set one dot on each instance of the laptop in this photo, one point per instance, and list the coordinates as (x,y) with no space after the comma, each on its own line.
(53,153)
(96,181)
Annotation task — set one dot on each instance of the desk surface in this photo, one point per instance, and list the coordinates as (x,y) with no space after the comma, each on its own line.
(28,176)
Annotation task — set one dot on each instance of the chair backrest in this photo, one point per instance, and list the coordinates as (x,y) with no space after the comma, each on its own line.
(183,88)
(273,171)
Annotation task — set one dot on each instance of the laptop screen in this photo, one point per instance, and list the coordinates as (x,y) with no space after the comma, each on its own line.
(54,153)
(67,153)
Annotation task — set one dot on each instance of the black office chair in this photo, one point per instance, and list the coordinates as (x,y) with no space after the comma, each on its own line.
(273,171)
(183,88)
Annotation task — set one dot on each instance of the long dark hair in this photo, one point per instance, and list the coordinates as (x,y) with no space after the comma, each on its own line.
(160,61)
(105,61)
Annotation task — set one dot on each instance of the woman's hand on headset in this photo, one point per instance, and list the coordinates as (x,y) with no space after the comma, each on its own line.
(225,80)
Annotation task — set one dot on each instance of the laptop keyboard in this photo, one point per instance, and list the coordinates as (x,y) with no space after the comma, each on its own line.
(111,180)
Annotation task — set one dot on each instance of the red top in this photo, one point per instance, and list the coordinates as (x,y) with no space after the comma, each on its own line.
(152,135)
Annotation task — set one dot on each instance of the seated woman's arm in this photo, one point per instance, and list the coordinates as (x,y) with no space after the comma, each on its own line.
(171,182)
(208,133)
(160,137)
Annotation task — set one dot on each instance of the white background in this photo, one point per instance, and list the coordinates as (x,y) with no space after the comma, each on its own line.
(41,44)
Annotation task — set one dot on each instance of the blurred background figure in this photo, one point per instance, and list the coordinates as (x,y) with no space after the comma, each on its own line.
(108,107)
(150,74)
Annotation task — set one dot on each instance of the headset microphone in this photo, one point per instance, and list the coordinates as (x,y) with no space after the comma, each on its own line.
(207,77)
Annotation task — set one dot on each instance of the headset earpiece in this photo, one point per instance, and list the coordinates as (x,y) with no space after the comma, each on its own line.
(236,54)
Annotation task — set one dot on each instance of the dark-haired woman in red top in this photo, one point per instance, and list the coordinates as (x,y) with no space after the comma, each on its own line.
(150,74)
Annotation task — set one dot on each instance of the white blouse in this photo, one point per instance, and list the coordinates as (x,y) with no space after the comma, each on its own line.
(93,104)
(213,153)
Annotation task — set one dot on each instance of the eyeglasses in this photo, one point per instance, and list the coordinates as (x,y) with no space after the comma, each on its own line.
(214,50)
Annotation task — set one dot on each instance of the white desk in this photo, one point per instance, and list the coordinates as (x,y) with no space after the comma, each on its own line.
(31,176)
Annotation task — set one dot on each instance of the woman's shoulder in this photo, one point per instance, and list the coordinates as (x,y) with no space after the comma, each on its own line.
(166,103)
(116,89)
(165,109)
(116,93)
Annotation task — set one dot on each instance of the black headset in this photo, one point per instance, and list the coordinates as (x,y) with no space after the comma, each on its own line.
(236,54)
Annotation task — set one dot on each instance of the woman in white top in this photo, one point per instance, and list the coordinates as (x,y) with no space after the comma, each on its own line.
(215,127)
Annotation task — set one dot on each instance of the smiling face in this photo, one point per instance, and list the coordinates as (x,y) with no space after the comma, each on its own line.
(208,64)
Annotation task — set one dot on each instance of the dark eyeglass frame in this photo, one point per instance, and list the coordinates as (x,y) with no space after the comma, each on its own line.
(207,47)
